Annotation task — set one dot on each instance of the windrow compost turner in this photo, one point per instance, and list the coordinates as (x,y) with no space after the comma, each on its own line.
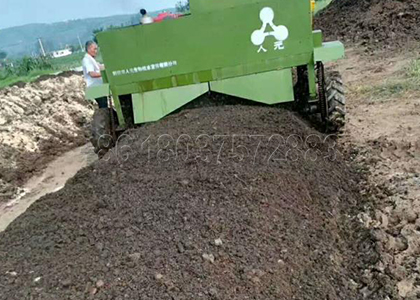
(263,51)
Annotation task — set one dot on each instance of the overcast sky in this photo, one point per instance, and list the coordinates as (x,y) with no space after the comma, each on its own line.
(20,12)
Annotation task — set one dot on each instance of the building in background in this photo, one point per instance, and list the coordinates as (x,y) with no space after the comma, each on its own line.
(61,53)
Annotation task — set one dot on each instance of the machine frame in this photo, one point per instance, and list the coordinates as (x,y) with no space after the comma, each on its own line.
(243,48)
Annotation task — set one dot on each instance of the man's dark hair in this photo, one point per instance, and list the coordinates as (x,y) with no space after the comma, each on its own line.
(88,44)
(143,12)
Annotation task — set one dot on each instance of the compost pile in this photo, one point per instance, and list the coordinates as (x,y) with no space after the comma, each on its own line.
(372,23)
(38,121)
(192,207)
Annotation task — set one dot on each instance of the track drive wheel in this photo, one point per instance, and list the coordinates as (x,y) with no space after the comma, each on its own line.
(332,101)
(101,133)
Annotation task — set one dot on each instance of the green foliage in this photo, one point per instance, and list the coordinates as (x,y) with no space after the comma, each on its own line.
(25,70)
(26,65)
(23,40)
(3,55)
(407,80)
(68,62)
(97,30)
(182,6)
(413,69)
(7,80)
(388,89)
(74,48)
(10,75)
(111,27)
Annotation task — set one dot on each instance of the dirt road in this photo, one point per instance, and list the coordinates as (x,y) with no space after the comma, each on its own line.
(383,136)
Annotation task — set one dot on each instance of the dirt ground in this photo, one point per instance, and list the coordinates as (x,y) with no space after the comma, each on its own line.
(206,211)
(382,137)
(175,213)
(38,121)
(217,238)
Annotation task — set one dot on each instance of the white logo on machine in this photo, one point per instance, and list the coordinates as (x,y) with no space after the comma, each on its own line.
(280,33)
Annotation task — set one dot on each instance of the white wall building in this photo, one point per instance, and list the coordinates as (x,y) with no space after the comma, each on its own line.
(61,53)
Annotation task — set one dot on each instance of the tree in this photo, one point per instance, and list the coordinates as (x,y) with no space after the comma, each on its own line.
(3,55)
(183,6)
(73,48)
(95,32)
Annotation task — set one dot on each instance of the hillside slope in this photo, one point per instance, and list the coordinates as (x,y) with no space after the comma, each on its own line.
(23,40)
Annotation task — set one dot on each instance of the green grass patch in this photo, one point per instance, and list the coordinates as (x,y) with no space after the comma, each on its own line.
(407,80)
(386,90)
(68,62)
(392,89)
(413,69)
(72,61)
(33,75)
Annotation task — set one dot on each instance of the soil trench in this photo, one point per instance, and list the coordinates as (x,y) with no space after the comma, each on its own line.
(51,180)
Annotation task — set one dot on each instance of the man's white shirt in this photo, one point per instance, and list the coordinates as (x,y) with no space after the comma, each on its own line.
(91,65)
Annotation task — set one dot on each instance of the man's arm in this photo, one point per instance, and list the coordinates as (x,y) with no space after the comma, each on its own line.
(90,69)
(95,74)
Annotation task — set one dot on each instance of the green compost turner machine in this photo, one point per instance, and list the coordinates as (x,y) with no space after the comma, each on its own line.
(259,50)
